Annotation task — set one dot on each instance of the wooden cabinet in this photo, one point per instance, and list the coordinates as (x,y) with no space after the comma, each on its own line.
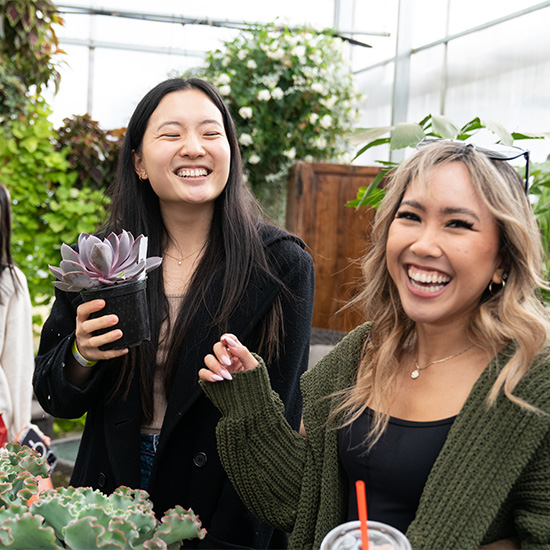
(336,235)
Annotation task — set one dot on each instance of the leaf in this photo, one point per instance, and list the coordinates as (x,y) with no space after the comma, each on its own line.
(85,533)
(469,127)
(78,279)
(101,258)
(406,134)
(444,127)
(374,199)
(30,144)
(369,193)
(499,130)
(523,135)
(374,143)
(360,135)
(28,532)
(179,524)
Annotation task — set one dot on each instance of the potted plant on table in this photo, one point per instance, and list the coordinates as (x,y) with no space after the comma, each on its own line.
(81,518)
(113,269)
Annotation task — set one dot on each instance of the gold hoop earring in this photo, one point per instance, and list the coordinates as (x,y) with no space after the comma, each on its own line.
(502,285)
(142,177)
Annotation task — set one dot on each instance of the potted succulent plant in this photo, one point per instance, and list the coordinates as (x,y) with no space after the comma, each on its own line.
(113,269)
(81,518)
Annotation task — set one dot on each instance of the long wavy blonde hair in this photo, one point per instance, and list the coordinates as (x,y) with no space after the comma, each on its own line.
(513,314)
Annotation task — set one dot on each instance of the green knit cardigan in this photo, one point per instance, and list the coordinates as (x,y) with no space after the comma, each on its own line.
(490,481)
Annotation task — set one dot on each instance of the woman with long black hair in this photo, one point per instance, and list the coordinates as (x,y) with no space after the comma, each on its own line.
(148,422)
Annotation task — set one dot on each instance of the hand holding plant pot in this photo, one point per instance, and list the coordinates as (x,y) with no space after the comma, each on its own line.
(113,269)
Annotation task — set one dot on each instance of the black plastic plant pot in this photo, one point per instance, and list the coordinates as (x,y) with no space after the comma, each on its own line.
(129,302)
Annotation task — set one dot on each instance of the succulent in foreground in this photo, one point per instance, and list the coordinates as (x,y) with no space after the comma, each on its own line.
(115,259)
(81,518)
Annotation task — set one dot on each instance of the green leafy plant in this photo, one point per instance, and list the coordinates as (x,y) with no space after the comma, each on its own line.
(48,208)
(409,134)
(29,41)
(90,150)
(80,518)
(540,194)
(292,96)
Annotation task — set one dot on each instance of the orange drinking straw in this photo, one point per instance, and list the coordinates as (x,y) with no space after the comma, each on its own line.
(362,507)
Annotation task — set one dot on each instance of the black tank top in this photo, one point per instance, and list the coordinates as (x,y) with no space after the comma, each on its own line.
(395,470)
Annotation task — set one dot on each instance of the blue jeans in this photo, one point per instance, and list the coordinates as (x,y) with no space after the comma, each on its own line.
(148,448)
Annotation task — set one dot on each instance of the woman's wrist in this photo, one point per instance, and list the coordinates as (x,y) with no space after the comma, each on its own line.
(82,361)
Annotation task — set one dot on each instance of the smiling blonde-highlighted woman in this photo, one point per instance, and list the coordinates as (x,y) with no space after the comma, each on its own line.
(441,403)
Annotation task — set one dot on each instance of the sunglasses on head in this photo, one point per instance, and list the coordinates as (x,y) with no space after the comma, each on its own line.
(494,152)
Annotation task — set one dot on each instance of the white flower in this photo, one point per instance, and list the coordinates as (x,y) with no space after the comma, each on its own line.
(298,51)
(241,54)
(316,57)
(254,159)
(251,64)
(226,61)
(246,139)
(290,153)
(277,93)
(318,88)
(313,118)
(264,95)
(330,102)
(326,121)
(270,80)
(224,78)
(245,112)
(224,90)
(320,142)
(277,54)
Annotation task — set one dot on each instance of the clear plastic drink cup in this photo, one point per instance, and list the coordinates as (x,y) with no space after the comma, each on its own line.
(381,537)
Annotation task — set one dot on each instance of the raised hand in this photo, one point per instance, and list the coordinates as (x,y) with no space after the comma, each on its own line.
(229,357)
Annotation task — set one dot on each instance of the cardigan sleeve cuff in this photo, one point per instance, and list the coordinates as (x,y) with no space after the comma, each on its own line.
(248,392)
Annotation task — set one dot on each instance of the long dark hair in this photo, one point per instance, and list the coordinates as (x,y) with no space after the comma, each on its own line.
(234,247)
(6,261)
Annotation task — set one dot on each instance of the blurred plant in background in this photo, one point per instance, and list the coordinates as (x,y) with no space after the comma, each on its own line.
(49,208)
(292,97)
(91,151)
(57,178)
(27,45)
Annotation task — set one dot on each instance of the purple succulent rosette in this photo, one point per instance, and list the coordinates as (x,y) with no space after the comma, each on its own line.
(99,263)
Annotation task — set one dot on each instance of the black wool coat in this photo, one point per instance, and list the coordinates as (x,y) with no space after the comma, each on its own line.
(186,470)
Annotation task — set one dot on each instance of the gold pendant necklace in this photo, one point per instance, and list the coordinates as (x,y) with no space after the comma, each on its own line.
(180,260)
(416,372)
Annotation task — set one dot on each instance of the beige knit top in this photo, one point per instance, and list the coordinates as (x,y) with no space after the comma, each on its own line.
(160,402)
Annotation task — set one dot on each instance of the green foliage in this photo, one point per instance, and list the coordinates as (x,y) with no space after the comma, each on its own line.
(540,194)
(13,100)
(78,518)
(29,40)
(292,96)
(91,151)
(64,426)
(409,134)
(48,207)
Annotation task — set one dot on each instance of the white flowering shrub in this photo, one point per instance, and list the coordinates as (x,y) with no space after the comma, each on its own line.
(292,96)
